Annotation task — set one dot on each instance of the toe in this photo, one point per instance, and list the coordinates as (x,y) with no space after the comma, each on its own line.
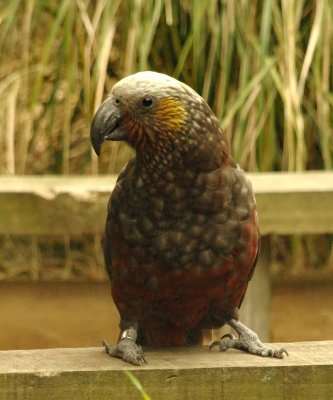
(270,352)
(214,344)
(226,342)
(279,353)
(223,345)
(107,347)
(137,357)
(127,350)
(140,359)
(265,352)
(134,359)
(228,336)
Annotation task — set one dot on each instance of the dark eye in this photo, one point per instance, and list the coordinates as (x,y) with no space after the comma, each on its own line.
(117,102)
(147,102)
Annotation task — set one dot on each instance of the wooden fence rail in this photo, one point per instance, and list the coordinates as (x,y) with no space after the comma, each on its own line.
(177,374)
(34,205)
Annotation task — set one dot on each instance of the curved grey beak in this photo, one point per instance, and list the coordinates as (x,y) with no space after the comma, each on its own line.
(106,125)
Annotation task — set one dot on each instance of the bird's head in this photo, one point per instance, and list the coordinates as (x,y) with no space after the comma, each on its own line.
(152,112)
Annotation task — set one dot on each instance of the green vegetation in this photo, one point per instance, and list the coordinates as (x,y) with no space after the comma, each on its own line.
(137,384)
(264,67)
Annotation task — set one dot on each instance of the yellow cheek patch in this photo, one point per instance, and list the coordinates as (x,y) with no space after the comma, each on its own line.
(170,114)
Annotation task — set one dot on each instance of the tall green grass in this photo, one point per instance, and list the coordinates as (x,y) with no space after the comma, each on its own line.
(264,67)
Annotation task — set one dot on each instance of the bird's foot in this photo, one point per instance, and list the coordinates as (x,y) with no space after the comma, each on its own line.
(127,350)
(247,341)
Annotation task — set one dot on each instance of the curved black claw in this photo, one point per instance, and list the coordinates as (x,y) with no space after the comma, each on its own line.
(221,344)
(127,350)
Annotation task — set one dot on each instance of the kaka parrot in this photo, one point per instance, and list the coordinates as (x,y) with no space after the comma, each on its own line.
(181,237)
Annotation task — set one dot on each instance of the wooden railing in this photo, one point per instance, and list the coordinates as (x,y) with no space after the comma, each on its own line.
(288,203)
(177,374)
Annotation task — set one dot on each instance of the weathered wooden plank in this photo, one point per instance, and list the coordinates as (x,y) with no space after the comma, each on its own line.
(54,204)
(178,374)
(294,203)
(287,202)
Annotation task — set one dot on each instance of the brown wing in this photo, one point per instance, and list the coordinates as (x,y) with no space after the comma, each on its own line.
(106,241)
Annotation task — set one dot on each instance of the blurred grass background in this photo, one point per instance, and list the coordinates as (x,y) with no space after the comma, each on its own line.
(265,67)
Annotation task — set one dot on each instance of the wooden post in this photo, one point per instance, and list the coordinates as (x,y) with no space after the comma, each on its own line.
(255,309)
